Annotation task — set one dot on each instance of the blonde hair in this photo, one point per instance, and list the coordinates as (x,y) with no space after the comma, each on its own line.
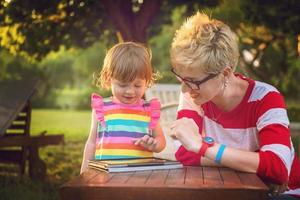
(206,43)
(125,62)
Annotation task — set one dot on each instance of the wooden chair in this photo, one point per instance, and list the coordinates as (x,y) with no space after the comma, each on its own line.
(16,144)
(168,94)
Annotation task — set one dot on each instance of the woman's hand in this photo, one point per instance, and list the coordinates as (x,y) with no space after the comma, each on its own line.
(147,142)
(187,132)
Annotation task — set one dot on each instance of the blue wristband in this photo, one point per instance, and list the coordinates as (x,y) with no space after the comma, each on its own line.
(220,154)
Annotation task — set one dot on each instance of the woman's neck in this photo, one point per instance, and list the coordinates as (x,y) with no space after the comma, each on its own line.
(232,95)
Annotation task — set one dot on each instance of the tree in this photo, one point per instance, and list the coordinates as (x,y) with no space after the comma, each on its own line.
(35,27)
(271,33)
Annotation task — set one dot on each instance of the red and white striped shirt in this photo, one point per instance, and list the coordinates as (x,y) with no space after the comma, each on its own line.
(259,123)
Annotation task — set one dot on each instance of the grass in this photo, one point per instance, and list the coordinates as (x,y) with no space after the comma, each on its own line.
(63,161)
(73,124)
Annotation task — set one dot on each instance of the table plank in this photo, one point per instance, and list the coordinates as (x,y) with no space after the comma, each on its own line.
(230,177)
(119,178)
(194,177)
(157,178)
(101,178)
(139,178)
(250,181)
(212,177)
(176,177)
(82,179)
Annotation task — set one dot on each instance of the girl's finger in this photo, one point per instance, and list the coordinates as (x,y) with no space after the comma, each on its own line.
(145,138)
(150,141)
(136,141)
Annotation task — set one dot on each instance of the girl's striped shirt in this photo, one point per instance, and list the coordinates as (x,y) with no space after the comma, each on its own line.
(119,124)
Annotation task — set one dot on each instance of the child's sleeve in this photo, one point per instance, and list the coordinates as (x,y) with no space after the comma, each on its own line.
(97,104)
(155,113)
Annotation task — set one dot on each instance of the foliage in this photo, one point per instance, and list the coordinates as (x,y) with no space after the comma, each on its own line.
(67,73)
(279,16)
(46,25)
(12,188)
(294,112)
(16,67)
(270,34)
(68,79)
(161,43)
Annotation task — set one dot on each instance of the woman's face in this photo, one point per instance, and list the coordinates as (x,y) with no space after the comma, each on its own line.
(202,87)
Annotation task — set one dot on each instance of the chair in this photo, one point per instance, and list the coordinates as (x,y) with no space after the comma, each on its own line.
(168,94)
(16,144)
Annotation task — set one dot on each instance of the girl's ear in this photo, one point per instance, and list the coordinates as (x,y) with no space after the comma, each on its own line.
(107,84)
(109,81)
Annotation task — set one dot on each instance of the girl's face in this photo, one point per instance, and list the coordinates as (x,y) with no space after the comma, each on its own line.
(130,92)
(201,86)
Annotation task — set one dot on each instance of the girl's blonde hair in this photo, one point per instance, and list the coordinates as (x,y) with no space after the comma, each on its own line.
(205,43)
(125,62)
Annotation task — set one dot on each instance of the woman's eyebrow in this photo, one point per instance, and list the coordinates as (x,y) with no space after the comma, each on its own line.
(192,78)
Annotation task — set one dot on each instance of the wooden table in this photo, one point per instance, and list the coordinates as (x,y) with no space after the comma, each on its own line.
(188,183)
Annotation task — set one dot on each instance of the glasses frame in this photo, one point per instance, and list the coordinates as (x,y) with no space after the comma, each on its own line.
(196,83)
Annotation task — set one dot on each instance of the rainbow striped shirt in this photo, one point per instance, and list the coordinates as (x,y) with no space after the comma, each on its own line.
(119,124)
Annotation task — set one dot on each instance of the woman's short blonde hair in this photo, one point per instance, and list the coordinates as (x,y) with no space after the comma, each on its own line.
(205,43)
(125,62)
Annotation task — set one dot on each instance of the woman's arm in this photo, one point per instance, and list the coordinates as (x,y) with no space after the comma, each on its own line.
(89,149)
(234,158)
(186,131)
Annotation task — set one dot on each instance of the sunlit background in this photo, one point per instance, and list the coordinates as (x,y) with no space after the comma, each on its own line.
(63,43)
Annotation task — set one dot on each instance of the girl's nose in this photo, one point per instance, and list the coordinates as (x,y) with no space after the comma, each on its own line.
(129,90)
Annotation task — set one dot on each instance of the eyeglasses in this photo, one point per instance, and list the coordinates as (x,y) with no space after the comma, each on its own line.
(194,85)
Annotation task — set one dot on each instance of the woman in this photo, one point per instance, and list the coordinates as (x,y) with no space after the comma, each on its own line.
(225,118)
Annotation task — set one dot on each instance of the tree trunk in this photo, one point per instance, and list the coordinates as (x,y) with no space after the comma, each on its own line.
(132,25)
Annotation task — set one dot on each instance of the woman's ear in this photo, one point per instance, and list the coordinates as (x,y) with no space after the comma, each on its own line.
(227,72)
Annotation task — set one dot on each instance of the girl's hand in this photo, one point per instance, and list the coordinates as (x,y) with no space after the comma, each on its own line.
(187,132)
(147,142)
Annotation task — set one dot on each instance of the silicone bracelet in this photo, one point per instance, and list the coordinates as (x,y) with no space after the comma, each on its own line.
(220,154)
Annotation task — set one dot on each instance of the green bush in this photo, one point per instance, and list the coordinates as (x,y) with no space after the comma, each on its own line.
(294,113)
(296,141)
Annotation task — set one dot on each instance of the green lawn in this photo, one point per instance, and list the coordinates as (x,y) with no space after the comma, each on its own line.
(74,125)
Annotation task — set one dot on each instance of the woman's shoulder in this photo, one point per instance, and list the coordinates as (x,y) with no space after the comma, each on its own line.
(262,90)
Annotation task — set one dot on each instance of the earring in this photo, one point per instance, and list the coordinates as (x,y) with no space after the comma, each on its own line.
(226,83)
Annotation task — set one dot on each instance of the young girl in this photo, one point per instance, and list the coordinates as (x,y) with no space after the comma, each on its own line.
(124,125)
